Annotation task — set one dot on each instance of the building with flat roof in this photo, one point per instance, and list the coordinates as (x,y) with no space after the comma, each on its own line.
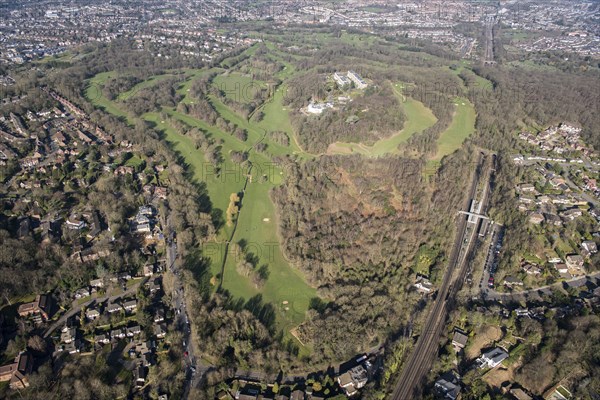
(342,80)
(357,79)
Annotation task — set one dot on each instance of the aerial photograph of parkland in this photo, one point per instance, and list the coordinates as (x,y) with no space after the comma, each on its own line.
(300,199)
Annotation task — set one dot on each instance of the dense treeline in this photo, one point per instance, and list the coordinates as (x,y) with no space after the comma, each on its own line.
(115,86)
(162,94)
(354,226)
(373,115)
(561,351)
(535,97)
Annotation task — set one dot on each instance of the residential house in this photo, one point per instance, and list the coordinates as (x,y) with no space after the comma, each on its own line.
(130,306)
(589,247)
(531,269)
(68,334)
(123,170)
(297,395)
(133,331)
(71,347)
(341,80)
(160,330)
(16,372)
(536,218)
(161,192)
(561,268)
(492,358)
(153,285)
(75,222)
(91,314)
(526,188)
(97,283)
(102,339)
(148,270)
(352,380)
(558,392)
(83,292)
(574,261)
(160,315)
(553,219)
(459,340)
(571,214)
(41,306)
(511,281)
(146,210)
(142,228)
(522,312)
(141,219)
(140,375)
(113,308)
(118,334)
(357,79)
(423,285)
(447,387)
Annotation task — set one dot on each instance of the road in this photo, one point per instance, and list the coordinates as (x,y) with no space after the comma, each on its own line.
(194,368)
(408,386)
(489,41)
(77,308)
(490,294)
(586,196)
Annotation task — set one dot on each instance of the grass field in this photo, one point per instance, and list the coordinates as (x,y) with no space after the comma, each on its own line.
(134,161)
(461,127)
(93,93)
(257,224)
(237,87)
(142,85)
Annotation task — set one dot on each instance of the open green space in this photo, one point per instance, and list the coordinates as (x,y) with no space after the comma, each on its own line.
(93,92)
(461,127)
(285,288)
(143,85)
(425,258)
(238,87)
(418,118)
(134,161)
(257,224)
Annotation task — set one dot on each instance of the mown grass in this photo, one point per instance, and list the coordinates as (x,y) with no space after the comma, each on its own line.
(461,127)
(417,118)
(257,224)
(238,87)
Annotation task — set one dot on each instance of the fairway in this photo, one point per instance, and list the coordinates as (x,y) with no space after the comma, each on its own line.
(257,221)
(418,118)
(239,88)
(461,127)
(285,288)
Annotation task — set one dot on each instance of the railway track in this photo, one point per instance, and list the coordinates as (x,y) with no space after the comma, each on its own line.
(408,386)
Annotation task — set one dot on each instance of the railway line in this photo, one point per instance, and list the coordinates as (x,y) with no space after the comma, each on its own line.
(408,385)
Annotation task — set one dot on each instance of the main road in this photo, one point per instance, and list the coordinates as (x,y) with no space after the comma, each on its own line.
(419,363)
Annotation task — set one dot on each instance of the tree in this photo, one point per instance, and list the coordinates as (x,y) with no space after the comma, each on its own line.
(38,344)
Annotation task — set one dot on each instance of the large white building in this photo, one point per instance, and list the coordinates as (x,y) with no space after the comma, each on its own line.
(341,80)
(318,108)
(356,78)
